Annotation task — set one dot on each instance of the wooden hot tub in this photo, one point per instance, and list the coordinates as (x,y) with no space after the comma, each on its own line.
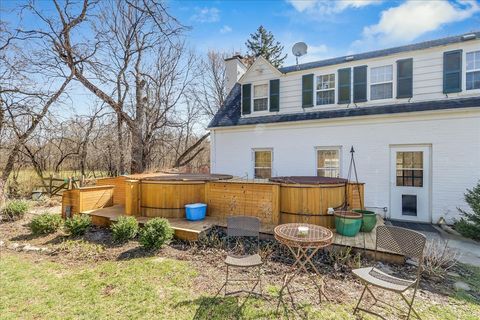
(166,196)
(307,199)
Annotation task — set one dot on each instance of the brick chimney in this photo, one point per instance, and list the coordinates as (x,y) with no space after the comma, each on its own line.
(234,70)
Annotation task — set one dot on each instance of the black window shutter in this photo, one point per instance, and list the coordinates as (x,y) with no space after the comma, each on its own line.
(344,85)
(405,78)
(307,91)
(452,71)
(275,95)
(360,84)
(246,98)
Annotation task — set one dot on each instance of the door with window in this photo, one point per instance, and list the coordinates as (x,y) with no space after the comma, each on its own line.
(410,183)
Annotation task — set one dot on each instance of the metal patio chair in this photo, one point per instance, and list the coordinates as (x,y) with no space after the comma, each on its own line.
(240,228)
(401,241)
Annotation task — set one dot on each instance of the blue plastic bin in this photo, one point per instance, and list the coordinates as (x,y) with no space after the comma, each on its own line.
(195,211)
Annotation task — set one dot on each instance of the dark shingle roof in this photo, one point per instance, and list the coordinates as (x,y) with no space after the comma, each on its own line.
(230,114)
(379,53)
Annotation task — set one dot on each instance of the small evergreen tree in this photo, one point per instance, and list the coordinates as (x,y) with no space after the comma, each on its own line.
(263,43)
(469,224)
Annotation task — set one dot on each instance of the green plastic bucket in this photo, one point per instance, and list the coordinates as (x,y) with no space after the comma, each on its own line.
(369,220)
(348,223)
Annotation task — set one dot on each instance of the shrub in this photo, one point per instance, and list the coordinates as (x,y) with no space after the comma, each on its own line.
(78,224)
(15,209)
(155,233)
(438,258)
(469,224)
(45,223)
(124,229)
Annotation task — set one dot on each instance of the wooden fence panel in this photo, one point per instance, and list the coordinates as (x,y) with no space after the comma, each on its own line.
(238,198)
(88,198)
(119,188)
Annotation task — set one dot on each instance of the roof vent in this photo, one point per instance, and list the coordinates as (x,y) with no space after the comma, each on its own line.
(469,36)
(349,58)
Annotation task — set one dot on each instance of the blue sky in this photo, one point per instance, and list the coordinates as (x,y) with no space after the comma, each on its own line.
(330,28)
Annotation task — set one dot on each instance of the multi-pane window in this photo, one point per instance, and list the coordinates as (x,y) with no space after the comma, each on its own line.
(328,163)
(260,97)
(410,169)
(473,70)
(326,89)
(262,164)
(381,80)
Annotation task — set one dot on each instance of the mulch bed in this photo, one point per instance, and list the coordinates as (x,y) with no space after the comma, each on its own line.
(206,256)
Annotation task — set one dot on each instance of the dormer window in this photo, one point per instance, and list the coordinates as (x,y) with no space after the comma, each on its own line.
(326,89)
(473,70)
(381,83)
(260,97)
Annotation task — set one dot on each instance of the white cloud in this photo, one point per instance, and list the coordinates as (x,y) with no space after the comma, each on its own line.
(322,7)
(412,19)
(225,29)
(206,15)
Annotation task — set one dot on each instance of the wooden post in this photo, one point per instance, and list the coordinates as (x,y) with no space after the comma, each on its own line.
(132,197)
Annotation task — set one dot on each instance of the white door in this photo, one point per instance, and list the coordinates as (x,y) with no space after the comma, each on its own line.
(410,183)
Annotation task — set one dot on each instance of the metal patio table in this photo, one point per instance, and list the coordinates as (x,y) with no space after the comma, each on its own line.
(303,248)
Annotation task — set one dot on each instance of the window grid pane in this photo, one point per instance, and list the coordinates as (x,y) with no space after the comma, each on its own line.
(263,164)
(409,169)
(381,74)
(325,89)
(325,97)
(260,91)
(473,61)
(473,80)
(260,104)
(328,163)
(381,91)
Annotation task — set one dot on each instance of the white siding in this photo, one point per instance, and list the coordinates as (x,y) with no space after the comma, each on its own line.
(427,78)
(453,135)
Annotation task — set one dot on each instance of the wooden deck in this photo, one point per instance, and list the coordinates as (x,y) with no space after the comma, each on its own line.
(191,230)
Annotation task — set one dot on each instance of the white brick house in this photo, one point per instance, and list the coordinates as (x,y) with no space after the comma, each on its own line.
(412,113)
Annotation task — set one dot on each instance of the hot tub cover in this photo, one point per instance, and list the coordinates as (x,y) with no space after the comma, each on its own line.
(307,180)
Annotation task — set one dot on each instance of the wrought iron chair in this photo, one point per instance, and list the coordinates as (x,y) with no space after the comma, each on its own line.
(401,241)
(238,228)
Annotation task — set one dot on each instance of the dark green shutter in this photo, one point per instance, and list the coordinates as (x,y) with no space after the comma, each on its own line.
(405,78)
(360,84)
(246,98)
(452,71)
(307,91)
(344,85)
(275,95)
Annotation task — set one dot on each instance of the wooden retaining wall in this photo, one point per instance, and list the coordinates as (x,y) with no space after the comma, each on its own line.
(87,198)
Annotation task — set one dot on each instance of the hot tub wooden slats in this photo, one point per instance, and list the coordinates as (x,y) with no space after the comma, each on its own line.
(310,203)
(168,200)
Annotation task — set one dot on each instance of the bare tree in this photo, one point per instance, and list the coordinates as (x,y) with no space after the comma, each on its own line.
(24,98)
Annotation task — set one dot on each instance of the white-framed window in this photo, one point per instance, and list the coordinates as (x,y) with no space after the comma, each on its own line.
(262,163)
(325,89)
(381,82)
(473,70)
(328,162)
(260,97)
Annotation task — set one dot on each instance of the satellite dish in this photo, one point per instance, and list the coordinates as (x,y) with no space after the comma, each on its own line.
(299,49)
